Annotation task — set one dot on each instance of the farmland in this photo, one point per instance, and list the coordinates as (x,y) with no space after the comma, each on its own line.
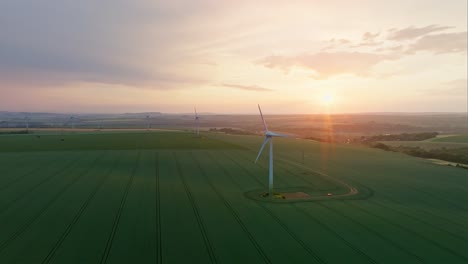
(427,145)
(171,197)
(454,139)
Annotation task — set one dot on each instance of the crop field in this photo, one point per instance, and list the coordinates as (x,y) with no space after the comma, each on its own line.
(427,145)
(454,139)
(161,197)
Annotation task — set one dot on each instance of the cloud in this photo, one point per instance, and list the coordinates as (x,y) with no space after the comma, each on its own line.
(369,39)
(441,43)
(344,57)
(132,43)
(247,87)
(414,32)
(369,36)
(336,43)
(327,64)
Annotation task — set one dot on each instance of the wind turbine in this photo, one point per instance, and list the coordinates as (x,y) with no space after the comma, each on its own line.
(72,121)
(268,138)
(197,121)
(26,118)
(147,122)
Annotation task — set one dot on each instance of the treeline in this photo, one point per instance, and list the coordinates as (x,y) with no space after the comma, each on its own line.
(457,156)
(401,137)
(375,127)
(231,131)
(14,132)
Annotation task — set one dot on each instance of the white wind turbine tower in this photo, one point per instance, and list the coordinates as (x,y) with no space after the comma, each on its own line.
(26,118)
(72,121)
(197,122)
(269,138)
(147,122)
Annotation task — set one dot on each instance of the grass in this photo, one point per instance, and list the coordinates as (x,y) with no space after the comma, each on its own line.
(427,145)
(174,198)
(454,139)
(109,141)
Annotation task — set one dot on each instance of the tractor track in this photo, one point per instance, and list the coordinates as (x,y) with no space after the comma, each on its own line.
(311,252)
(244,169)
(428,194)
(115,225)
(69,165)
(352,190)
(157,187)
(439,197)
(425,211)
(420,260)
(230,208)
(322,176)
(24,175)
(346,242)
(286,228)
(253,176)
(419,220)
(43,209)
(16,179)
(199,218)
(411,232)
(80,212)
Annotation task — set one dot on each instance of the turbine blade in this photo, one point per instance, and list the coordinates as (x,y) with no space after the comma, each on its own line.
(274,134)
(263,120)
(261,149)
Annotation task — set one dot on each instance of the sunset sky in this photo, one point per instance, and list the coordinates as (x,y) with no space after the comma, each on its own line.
(227,56)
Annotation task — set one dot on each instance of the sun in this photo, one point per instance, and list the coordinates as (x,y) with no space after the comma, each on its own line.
(327,99)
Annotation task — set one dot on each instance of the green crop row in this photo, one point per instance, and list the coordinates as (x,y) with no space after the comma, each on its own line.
(184,201)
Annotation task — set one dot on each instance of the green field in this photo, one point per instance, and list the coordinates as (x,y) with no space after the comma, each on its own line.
(176,198)
(427,145)
(454,139)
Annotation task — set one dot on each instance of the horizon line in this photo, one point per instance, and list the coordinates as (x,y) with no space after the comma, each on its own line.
(214,113)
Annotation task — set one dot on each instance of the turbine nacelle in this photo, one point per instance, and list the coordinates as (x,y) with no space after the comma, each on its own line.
(274,134)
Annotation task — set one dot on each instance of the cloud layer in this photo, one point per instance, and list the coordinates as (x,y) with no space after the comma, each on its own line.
(337,59)
(414,32)
(162,53)
(247,87)
(326,64)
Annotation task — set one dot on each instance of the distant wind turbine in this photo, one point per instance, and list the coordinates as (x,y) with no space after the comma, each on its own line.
(147,122)
(268,138)
(72,121)
(197,122)
(26,118)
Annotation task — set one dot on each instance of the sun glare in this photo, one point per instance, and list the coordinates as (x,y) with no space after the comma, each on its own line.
(327,99)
